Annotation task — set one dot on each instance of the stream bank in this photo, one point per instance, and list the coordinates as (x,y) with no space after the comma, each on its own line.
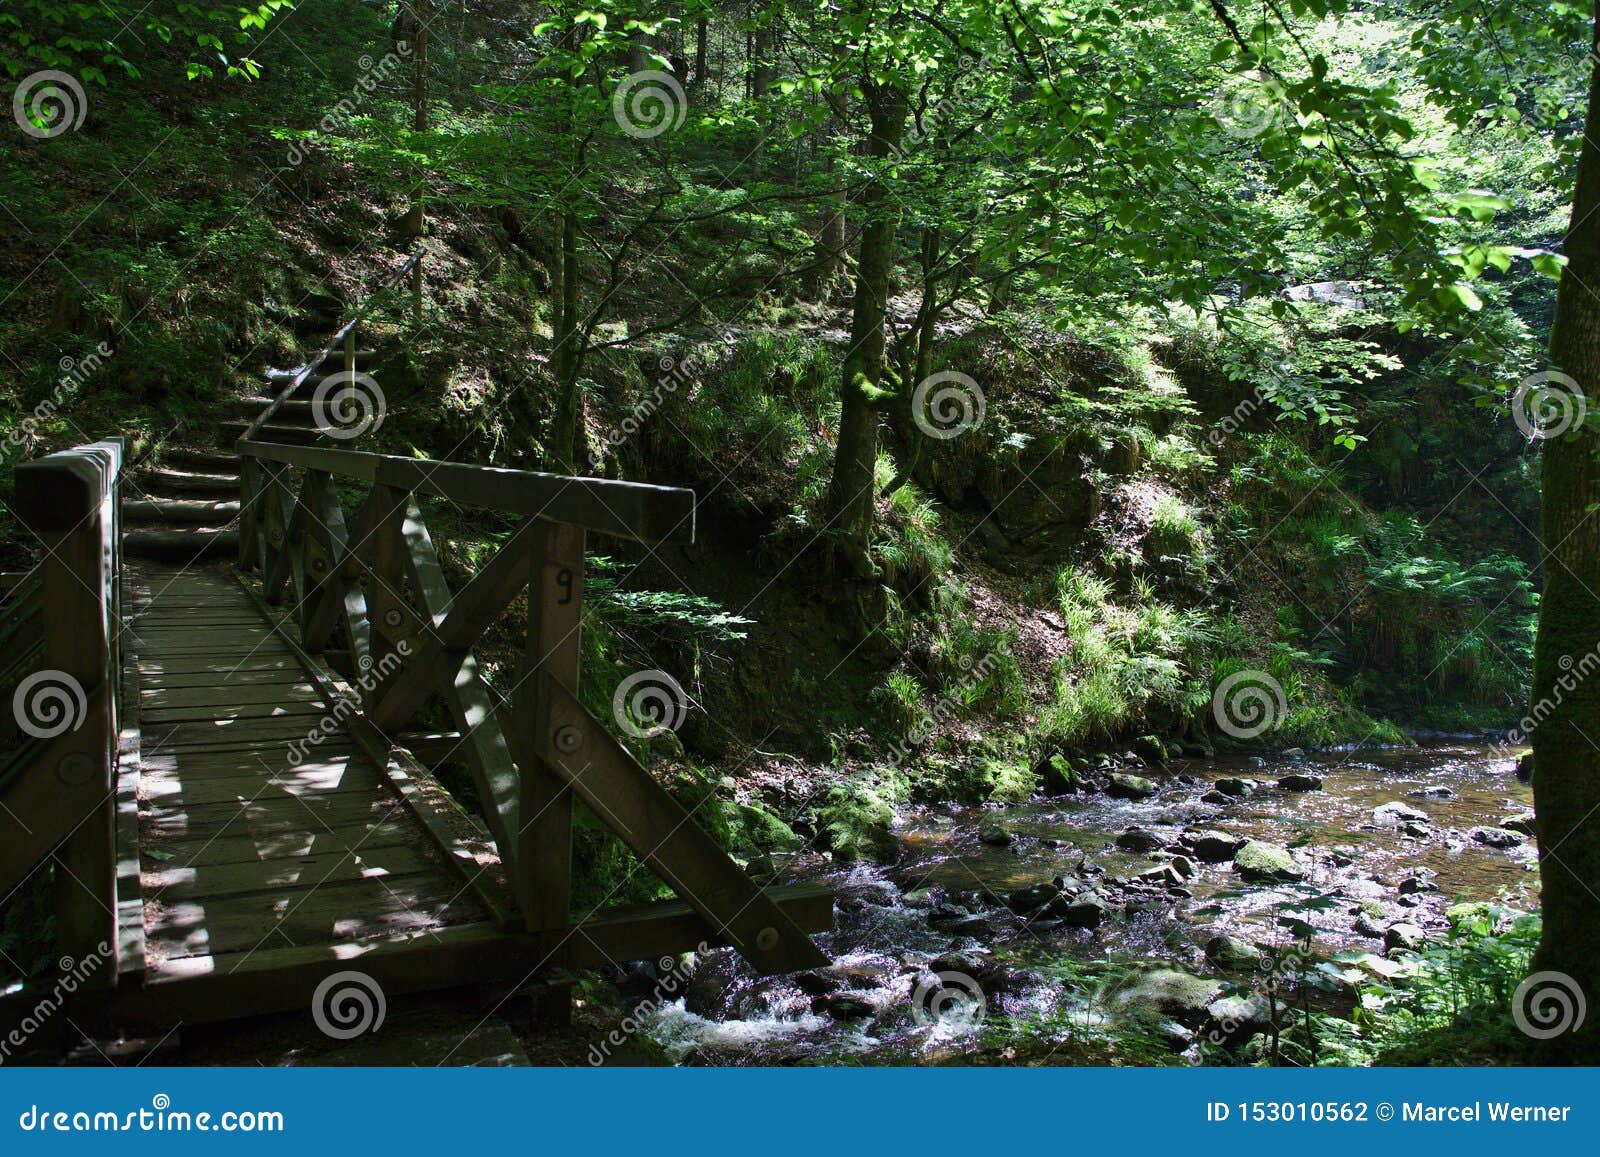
(1069,930)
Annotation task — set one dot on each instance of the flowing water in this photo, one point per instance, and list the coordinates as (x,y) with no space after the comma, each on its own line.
(941,907)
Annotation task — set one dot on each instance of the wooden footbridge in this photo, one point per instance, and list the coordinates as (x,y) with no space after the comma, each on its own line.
(226,766)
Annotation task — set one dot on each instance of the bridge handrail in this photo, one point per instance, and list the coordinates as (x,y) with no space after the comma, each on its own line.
(408,638)
(65,796)
(340,337)
(635,510)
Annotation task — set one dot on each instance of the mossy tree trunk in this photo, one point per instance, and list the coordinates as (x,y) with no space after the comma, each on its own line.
(1566,779)
(850,490)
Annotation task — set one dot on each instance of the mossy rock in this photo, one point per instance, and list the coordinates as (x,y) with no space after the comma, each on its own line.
(856,823)
(1168,994)
(1125,786)
(1266,863)
(757,830)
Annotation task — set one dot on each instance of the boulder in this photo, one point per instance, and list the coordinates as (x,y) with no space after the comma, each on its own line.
(1085,910)
(1234,1018)
(1214,847)
(1125,786)
(1230,952)
(1262,862)
(1150,749)
(1365,925)
(1167,994)
(1138,840)
(1057,775)
(1216,798)
(1524,822)
(1525,768)
(1404,938)
(1238,788)
(1034,896)
(1498,837)
(1183,865)
(1162,875)
(1396,813)
(978,927)
(995,836)
(966,963)
(1299,782)
(1438,791)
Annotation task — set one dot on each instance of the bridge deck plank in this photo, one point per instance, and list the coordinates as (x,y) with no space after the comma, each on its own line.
(250,837)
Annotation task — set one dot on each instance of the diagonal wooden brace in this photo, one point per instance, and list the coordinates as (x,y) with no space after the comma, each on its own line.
(622,795)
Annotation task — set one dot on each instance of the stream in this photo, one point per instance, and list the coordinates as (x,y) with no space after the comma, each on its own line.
(950,948)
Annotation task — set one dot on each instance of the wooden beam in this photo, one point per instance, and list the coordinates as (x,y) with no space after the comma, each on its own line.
(207,989)
(554,650)
(632,510)
(73,502)
(464,618)
(627,800)
(471,700)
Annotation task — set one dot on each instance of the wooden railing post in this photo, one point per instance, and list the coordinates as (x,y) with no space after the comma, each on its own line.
(555,617)
(71,501)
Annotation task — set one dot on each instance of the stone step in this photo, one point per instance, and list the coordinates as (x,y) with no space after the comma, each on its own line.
(161,482)
(183,545)
(167,511)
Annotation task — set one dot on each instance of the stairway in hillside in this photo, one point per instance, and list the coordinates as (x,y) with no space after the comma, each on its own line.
(183,505)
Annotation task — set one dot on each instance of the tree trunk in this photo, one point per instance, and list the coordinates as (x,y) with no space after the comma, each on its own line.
(919,367)
(1566,777)
(697,84)
(829,251)
(851,490)
(415,225)
(567,357)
